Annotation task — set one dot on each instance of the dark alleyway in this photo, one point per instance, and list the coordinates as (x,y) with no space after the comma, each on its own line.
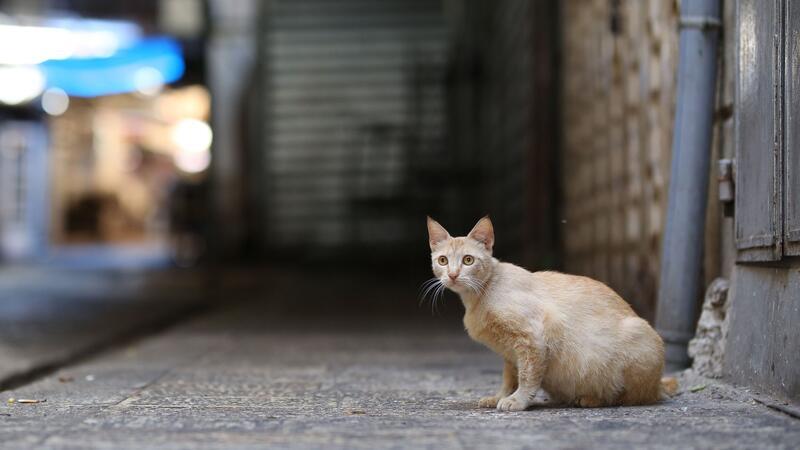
(212,217)
(292,368)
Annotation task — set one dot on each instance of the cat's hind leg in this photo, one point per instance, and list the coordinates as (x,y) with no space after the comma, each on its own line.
(642,372)
(589,401)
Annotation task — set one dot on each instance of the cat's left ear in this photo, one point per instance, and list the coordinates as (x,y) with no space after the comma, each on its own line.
(483,232)
(436,233)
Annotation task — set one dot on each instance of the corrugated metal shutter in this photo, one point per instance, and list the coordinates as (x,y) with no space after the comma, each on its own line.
(355,103)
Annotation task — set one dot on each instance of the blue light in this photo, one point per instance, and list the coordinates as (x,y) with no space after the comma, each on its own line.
(116,74)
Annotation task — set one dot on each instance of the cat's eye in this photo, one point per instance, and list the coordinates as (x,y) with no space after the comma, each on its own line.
(468,260)
(442,260)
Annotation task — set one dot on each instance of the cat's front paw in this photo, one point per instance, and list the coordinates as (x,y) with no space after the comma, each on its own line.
(513,402)
(489,402)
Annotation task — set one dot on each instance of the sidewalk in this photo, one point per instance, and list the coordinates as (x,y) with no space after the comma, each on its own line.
(319,364)
(50,316)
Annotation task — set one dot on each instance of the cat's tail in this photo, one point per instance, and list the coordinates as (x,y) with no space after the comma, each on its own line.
(669,386)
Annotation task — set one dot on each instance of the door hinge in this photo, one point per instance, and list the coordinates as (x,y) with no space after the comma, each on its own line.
(727,189)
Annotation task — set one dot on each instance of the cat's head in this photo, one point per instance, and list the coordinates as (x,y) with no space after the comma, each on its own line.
(462,264)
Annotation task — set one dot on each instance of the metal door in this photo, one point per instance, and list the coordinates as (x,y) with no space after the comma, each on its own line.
(758,134)
(791,227)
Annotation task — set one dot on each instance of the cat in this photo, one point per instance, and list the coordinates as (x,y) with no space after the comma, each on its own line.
(569,335)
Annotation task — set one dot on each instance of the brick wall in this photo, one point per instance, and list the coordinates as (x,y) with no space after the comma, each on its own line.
(618,74)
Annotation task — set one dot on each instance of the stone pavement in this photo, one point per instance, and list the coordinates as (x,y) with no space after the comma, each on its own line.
(322,364)
(50,316)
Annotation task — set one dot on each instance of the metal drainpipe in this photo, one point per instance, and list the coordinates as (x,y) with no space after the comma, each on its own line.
(682,255)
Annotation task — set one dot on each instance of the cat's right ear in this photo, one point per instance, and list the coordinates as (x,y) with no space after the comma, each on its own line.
(483,232)
(436,233)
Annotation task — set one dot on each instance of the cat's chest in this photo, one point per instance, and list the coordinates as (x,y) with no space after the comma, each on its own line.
(480,326)
(474,324)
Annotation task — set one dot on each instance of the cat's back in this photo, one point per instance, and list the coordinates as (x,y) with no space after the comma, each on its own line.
(561,291)
(579,292)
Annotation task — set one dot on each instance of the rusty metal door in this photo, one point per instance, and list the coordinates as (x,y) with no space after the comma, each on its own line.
(758,153)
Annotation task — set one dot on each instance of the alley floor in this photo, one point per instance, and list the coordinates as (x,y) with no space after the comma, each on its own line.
(295,368)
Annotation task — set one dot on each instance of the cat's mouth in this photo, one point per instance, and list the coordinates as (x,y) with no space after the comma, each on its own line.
(463,285)
(451,283)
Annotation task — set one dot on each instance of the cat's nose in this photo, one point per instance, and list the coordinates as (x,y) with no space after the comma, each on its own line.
(453,276)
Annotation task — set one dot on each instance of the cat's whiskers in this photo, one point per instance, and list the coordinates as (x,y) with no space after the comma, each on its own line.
(475,285)
(433,295)
(432,290)
(426,288)
(438,294)
(428,282)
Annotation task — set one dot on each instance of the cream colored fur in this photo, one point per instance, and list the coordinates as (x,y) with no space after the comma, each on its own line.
(569,335)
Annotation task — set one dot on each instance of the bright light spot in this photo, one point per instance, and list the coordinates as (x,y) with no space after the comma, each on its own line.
(192,162)
(193,139)
(55,101)
(20,84)
(95,43)
(148,81)
(24,45)
(31,45)
(192,134)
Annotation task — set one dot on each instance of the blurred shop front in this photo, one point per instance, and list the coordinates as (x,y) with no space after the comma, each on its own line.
(104,135)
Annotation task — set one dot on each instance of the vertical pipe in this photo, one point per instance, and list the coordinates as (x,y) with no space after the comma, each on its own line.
(682,254)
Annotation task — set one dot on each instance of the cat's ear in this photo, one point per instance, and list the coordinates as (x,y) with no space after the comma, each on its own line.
(436,233)
(483,232)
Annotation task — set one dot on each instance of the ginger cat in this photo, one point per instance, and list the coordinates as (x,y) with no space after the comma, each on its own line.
(570,335)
